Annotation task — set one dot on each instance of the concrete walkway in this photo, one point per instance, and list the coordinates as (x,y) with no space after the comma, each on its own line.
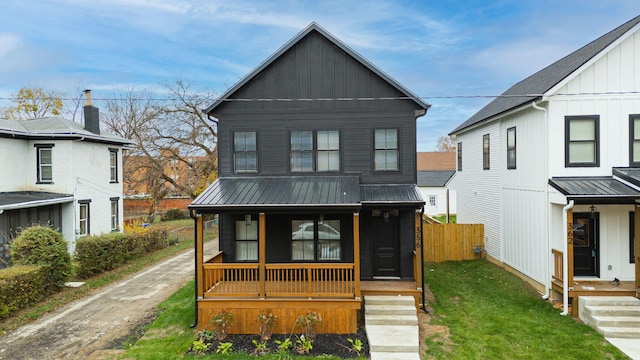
(391,325)
(91,324)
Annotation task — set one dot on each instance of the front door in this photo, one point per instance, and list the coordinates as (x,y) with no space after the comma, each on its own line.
(585,244)
(385,239)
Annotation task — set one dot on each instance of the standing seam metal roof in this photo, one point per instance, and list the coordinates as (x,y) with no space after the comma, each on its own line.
(596,188)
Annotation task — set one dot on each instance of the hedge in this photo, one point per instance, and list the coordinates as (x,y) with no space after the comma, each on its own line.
(21,285)
(97,254)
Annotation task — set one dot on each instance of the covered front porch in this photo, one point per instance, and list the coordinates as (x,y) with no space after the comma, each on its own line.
(595,249)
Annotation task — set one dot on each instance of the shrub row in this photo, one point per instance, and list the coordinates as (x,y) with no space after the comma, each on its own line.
(97,254)
(21,285)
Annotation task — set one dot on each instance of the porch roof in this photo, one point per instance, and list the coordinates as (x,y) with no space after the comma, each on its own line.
(295,192)
(27,199)
(629,174)
(595,189)
(291,192)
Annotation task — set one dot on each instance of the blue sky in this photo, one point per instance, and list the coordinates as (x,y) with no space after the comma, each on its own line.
(443,51)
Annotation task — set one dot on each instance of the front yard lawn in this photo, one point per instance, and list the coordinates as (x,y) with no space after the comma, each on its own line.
(492,314)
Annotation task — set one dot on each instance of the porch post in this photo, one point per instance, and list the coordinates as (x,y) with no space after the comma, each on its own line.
(569,264)
(199,255)
(356,253)
(262,252)
(636,244)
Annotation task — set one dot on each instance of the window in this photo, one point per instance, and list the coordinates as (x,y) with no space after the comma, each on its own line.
(115,226)
(308,233)
(459,156)
(511,148)
(301,151)
(113,165)
(485,152)
(247,239)
(634,140)
(432,200)
(581,141)
(386,149)
(45,163)
(245,155)
(631,235)
(328,154)
(84,217)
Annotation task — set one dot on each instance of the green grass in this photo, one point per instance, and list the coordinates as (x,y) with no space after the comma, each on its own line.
(492,314)
(443,218)
(68,295)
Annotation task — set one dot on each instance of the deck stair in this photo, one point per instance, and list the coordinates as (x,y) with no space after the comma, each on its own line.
(391,325)
(611,316)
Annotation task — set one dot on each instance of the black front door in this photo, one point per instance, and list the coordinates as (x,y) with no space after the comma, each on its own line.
(585,244)
(385,236)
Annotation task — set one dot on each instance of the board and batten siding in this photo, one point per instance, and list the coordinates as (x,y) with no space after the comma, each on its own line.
(478,191)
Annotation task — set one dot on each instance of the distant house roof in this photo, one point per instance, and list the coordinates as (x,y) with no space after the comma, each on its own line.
(434,178)
(27,199)
(54,128)
(595,189)
(537,84)
(315,27)
(295,192)
(436,160)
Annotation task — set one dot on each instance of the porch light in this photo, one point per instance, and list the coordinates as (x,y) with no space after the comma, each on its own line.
(593,209)
(247,220)
(385,216)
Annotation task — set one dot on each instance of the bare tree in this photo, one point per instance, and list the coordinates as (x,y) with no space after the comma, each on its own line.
(446,144)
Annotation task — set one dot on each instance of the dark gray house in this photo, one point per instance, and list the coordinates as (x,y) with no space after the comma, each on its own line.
(317,191)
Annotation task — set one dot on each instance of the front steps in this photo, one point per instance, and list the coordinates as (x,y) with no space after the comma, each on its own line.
(611,316)
(391,325)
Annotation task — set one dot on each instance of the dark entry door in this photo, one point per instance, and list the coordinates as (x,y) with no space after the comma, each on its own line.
(586,256)
(386,257)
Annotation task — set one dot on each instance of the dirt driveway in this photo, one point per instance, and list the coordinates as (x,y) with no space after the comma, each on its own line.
(90,324)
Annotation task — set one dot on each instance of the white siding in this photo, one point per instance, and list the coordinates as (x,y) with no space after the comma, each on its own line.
(441,200)
(478,190)
(14,159)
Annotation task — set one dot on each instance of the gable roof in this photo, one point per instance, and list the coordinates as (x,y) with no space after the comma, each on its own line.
(434,178)
(315,27)
(54,128)
(532,87)
(436,160)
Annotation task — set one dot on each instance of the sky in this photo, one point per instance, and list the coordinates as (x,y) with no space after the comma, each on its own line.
(453,54)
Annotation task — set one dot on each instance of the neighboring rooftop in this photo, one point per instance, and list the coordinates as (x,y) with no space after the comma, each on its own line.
(54,128)
(436,160)
(434,178)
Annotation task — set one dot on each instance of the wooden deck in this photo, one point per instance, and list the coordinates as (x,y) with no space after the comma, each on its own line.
(594,288)
(392,287)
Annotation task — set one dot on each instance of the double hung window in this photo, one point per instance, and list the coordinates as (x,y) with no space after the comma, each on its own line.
(386,150)
(582,141)
(245,154)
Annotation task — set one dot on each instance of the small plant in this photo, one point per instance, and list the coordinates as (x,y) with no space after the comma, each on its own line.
(225,348)
(356,345)
(284,345)
(220,323)
(267,324)
(261,347)
(303,345)
(199,347)
(309,324)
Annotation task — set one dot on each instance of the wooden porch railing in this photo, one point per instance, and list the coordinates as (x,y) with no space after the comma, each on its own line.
(558,265)
(310,280)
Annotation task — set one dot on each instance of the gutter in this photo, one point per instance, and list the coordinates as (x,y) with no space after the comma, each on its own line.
(565,260)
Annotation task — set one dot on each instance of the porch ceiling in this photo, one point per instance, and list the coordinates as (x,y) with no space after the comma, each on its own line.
(595,189)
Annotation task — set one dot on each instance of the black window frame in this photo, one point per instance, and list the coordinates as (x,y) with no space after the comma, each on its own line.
(39,148)
(316,238)
(384,147)
(568,142)
(86,203)
(512,160)
(113,167)
(486,152)
(459,155)
(245,153)
(302,152)
(328,151)
(114,218)
(632,140)
(253,220)
(632,259)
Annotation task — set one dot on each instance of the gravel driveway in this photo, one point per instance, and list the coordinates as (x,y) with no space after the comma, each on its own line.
(81,328)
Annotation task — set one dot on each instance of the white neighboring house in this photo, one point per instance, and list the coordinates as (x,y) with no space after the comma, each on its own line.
(55,171)
(433,186)
(562,142)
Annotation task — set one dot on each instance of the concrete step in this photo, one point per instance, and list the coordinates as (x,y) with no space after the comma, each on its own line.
(389,310)
(394,356)
(389,300)
(615,321)
(619,332)
(617,310)
(391,319)
(609,300)
(391,338)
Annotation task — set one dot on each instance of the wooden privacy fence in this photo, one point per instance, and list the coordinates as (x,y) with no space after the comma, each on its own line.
(451,242)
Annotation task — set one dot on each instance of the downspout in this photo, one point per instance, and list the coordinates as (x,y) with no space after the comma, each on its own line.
(565,261)
(547,282)
(424,299)
(192,214)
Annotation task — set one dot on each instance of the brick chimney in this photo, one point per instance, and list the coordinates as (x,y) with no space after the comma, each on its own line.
(91,115)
